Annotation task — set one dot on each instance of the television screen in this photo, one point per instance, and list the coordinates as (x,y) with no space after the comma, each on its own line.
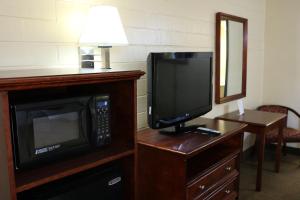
(179,87)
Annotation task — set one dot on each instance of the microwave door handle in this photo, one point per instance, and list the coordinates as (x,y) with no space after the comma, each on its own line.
(93,116)
(84,123)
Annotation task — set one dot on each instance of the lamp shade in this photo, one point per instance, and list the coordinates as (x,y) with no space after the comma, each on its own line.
(103,28)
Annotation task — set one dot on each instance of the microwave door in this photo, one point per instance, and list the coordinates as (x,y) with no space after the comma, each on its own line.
(55,130)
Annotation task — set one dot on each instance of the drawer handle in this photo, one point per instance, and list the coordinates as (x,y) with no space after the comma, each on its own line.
(229,168)
(227,191)
(202,187)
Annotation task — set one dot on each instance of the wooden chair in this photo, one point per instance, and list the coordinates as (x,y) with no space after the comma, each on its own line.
(290,135)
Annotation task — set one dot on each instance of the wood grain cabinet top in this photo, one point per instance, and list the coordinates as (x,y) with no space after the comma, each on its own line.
(42,78)
(190,143)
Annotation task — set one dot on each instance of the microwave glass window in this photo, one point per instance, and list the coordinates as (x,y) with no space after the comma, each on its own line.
(56,129)
(102,103)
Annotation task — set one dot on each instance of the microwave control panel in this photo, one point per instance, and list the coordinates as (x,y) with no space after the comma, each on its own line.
(103,132)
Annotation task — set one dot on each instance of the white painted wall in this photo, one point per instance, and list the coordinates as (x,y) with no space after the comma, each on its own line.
(44,33)
(282,60)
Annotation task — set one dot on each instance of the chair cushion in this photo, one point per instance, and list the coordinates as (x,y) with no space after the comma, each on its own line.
(289,135)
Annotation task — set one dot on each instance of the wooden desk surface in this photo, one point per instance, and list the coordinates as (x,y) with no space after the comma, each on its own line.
(253,117)
(190,143)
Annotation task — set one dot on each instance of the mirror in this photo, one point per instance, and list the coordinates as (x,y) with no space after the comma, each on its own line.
(231,57)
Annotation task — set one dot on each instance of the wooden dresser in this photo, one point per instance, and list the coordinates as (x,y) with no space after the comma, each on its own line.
(120,85)
(190,166)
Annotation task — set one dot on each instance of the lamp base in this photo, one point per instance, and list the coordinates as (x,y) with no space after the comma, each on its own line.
(105,57)
(105,68)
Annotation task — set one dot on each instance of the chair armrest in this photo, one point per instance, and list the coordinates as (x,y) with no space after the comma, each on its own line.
(285,107)
(294,111)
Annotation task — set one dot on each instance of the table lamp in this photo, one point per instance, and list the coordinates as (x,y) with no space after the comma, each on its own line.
(103,29)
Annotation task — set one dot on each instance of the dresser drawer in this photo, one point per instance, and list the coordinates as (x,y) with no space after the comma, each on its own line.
(205,183)
(226,192)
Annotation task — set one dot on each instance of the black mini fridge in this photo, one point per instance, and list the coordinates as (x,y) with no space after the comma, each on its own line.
(97,184)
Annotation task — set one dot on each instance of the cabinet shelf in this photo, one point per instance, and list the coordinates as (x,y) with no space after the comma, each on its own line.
(210,159)
(29,179)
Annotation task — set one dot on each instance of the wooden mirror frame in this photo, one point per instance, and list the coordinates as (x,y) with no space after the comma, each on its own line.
(221,16)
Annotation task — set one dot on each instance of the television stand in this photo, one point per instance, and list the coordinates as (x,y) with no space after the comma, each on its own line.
(181,128)
(190,166)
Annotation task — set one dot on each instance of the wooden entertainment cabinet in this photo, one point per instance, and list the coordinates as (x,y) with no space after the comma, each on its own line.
(121,85)
(190,166)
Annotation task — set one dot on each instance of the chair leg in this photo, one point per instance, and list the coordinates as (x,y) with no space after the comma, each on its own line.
(284,148)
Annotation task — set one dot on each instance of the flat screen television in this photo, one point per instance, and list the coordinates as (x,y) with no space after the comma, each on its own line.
(179,88)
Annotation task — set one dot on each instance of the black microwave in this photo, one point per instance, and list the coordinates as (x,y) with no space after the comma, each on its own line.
(49,130)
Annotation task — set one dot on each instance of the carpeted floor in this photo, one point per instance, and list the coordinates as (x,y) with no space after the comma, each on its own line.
(275,186)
